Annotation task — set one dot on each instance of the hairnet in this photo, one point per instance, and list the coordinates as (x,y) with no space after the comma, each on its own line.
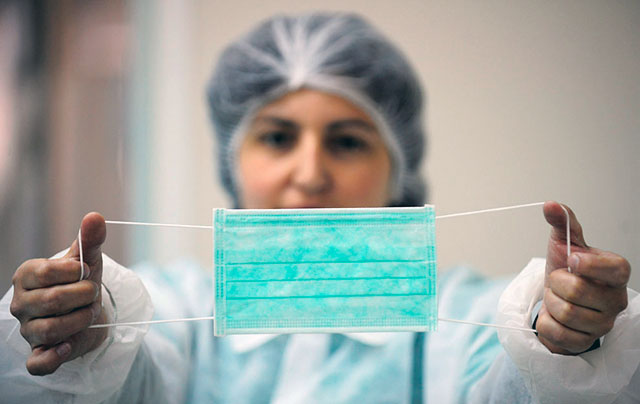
(340,54)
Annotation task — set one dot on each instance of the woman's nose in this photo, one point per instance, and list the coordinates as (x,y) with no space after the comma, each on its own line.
(311,173)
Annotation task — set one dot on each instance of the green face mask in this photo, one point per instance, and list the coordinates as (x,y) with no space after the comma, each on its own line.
(324,270)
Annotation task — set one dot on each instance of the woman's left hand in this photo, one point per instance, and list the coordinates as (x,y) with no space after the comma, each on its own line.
(579,306)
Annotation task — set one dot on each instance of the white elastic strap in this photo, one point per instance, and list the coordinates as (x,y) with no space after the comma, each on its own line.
(193,226)
(506,327)
(180,320)
(475,212)
(81,254)
(566,212)
(173,320)
(188,226)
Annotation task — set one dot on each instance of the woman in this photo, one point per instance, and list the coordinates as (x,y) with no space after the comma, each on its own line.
(311,111)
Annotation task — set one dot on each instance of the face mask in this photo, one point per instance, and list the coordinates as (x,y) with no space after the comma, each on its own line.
(324,270)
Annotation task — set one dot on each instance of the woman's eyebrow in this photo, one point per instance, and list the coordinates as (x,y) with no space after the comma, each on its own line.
(274,120)
(351,124)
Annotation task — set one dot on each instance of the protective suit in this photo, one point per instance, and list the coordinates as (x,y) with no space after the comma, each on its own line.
(183,362)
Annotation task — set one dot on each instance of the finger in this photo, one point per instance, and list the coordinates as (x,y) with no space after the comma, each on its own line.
(53,330)
(42,273)
(87,340)
(44,360)
(557,218)
(55,301)
(94,233)
(577,318)
(550,331)
(603,266)
(583,292)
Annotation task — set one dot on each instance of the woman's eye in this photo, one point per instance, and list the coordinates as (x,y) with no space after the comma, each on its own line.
(277,140)
(347,143)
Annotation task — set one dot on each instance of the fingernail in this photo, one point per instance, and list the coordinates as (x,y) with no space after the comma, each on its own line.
(573,261)
(63,349)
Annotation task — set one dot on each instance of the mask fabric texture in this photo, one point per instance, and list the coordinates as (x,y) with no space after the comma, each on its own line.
(324,270)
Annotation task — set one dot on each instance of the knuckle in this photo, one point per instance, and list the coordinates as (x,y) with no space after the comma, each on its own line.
(548,331)
(25,266)
(621,303)
(16,309)
(15,279)
(24,331)
(44,271)
(624,270)
(555,277)
(574,290)
(565,313)
(620,262)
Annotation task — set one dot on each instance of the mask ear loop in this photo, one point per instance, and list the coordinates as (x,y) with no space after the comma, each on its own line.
(566,212)
(81,254)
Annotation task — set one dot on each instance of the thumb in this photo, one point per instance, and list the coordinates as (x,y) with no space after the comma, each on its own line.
(556,216)
(94,233)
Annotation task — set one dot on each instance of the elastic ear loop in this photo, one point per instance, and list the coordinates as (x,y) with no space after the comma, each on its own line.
(176,320)
(81,254)
(568,230)
(566,212)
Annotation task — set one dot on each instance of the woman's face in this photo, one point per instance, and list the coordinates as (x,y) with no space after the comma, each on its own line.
(310,149)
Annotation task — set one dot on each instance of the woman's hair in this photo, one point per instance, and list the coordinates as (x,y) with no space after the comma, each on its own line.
(337,53)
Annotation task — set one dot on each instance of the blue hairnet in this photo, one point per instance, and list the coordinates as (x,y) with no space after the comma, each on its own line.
(336,53)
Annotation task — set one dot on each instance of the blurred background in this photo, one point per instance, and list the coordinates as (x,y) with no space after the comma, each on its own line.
(102,108)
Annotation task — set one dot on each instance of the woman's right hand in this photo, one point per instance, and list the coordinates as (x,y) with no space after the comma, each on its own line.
(55,307)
